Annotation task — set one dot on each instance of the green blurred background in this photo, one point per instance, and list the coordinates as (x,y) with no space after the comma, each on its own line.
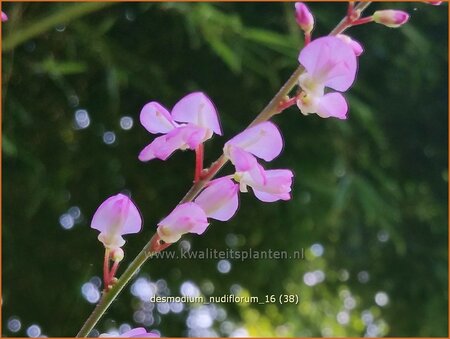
(369,202)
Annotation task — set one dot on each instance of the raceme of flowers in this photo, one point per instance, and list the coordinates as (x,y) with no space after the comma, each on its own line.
(330,65)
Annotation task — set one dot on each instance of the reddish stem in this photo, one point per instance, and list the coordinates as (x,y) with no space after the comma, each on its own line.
(307,38)
(114,268)
(106,269)
(362,21)
(198,163)
(351,6)
(156,244)
(288,103)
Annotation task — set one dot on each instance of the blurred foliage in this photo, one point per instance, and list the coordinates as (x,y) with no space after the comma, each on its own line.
(370,191)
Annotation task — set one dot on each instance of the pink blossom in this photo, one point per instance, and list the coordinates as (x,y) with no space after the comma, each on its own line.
(193,121)
(329,62)
(390,17)
(138,332)
(220,199)
(262,140)
(276,186)
(355,45)
(115,217)
(4,17)
(434,3)
(185,218)
(304,17)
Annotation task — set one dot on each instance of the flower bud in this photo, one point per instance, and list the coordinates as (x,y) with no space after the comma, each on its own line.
(390,18)
(4,16)
(117,254)
(434,3)
(304,17)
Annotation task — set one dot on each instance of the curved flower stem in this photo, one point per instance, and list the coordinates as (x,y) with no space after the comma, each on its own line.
(109,296)
(113,271)
(155,245)
(106,278)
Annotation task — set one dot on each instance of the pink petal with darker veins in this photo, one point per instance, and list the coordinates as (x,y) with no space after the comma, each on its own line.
(198,109)
(119,214)
(262,140)
(156,118)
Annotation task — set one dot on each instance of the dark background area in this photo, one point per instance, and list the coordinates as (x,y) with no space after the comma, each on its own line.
(369,202)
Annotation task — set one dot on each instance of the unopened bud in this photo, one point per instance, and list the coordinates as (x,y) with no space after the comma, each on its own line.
(304,17)
(434,3)
(117,255)
(4,16)
(390,18)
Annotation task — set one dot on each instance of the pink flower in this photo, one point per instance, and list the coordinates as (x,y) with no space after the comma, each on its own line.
(4,17)
(220,199)
(329,62)
(192,122)
(304,17)
(434,3)
(185,218)
(115,217)
(138,332)
(262,140)
(265,142)
(355,45)
(276,186)
(390,18)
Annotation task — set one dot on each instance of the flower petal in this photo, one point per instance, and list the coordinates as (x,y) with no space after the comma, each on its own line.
(158,148)
(199,110)
(139,332)
(184,137)
(185,218)
(263,140)
(220,199)
(277,187)
(242,160)
(332,105)
(156,118)
(355,45)
(330,61)
(115,217)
